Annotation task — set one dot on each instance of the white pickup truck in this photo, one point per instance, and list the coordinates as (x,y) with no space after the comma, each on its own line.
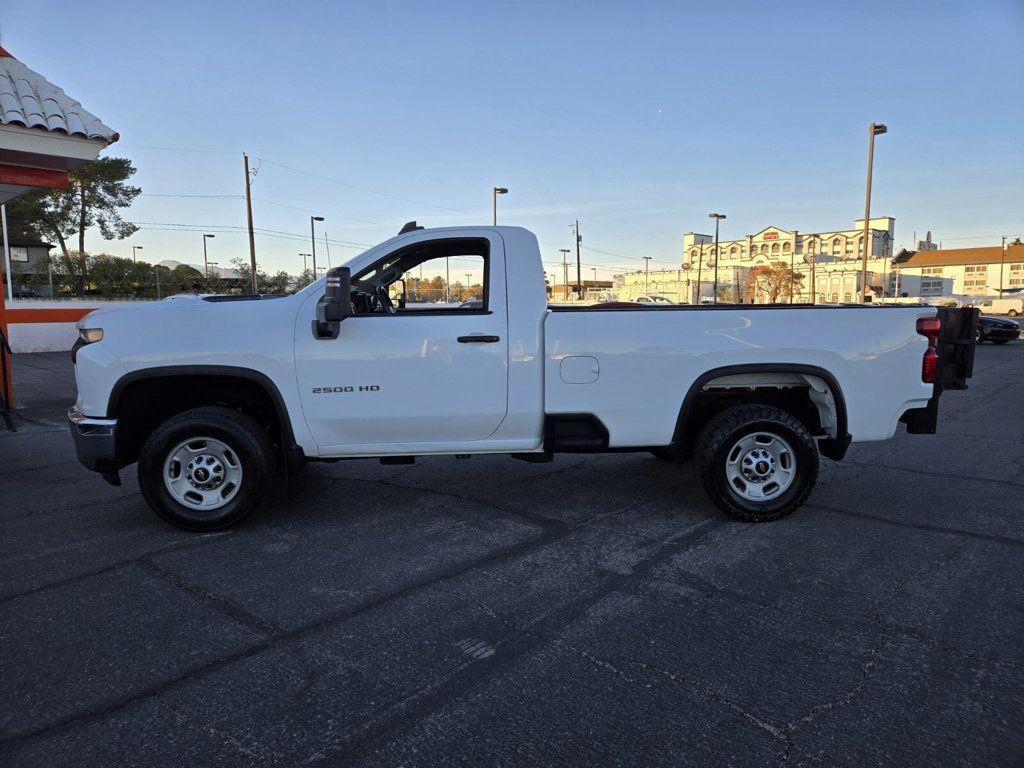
(214,398)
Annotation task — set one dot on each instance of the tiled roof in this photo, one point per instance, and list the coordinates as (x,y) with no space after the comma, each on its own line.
(28,99)
(957,256)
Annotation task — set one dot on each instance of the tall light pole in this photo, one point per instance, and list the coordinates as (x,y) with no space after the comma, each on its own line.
(565,272)
(717,217)
(312,237)
(494,201)
(206,263)
(304,257)
(875,129)
(134,249)
(647,272)
(700,266)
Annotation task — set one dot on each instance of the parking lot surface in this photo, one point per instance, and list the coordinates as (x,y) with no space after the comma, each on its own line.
(487,612)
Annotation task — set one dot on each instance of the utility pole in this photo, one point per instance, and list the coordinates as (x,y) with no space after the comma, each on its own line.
(1002,261)
(248,219)
(327,246)
(565,272)
(157,270)
(875,129)
(647,273)
(447,282)
(579,282)
(312,236)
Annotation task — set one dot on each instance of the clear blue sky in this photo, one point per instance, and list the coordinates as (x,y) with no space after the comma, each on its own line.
(639,118)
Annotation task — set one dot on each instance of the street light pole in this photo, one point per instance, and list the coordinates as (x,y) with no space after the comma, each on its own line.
(134,249)
(647,273)
(700,266)
(875,129)
(304,257)
(312,237)
(206,263)
(717,217)
(494,201)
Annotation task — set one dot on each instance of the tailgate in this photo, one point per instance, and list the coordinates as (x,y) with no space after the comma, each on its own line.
(956,365)
(956,346)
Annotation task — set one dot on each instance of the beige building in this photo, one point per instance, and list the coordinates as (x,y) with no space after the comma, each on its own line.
(830,261)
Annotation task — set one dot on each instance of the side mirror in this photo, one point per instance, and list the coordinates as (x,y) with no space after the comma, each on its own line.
(335,305)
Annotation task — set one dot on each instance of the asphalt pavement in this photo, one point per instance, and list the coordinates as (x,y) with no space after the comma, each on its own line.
(486,612)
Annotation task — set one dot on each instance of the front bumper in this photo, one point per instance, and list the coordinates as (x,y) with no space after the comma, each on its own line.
(994,334)
(95,443)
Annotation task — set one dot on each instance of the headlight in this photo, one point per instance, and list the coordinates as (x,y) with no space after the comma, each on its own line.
(90,335)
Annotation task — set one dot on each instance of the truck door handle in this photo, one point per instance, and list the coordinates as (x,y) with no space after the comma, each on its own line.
(478,338)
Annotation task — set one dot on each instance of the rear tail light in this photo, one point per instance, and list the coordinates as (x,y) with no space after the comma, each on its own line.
(929,327)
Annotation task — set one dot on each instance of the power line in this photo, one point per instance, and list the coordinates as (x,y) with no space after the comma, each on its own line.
(364,189)
(181,149)
(205,197)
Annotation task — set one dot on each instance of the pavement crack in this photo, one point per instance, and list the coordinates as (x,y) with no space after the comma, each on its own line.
(870,662)
(174,546)
(958,532)
(219,602)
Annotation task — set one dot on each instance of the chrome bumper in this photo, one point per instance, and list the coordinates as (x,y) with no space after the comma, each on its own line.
(95,442)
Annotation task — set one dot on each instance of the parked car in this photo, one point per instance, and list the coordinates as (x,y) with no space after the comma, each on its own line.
(998,330)
(1011,307)
(338,371)
(652,299)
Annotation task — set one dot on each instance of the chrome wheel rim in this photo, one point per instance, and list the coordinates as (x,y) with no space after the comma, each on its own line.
(202,473)
(760,466)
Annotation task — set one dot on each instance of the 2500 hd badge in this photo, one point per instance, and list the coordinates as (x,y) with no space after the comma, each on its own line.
(362,388)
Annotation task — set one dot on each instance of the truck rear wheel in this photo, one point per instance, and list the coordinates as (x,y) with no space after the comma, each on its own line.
(206,468)
(756,462)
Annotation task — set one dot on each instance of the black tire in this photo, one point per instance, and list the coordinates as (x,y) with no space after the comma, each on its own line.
(721,434)
(676,454)
(240,433)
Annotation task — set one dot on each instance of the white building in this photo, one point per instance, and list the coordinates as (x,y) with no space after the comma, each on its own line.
(972,272)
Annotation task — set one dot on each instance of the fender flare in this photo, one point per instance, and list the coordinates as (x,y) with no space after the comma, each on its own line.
(167,371)
(832,448)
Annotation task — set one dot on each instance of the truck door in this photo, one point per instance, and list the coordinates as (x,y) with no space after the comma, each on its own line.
(425,358)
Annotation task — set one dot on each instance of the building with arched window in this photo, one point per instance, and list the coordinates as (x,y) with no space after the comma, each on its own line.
(826,265)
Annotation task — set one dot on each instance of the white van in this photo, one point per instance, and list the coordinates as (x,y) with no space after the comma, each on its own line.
(1011,307)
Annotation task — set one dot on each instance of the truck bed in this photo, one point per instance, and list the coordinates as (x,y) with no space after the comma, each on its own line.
(631,367)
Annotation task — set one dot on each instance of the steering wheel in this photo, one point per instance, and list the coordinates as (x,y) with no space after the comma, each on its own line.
(384,300)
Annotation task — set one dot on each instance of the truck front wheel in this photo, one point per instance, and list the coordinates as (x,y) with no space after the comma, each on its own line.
(206,468)
(756,462)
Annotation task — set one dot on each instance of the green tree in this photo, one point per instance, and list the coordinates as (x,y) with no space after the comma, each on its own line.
(280,282)
(304,279)
(185,279)
(95,195)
